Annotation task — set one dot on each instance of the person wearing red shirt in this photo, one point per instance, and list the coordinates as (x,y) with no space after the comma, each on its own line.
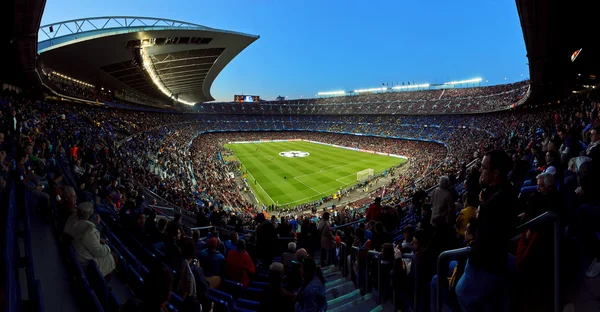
(239,265)
(374,210)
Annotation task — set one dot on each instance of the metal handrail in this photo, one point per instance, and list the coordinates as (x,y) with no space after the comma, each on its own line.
(348,224)
(443,256)
(535,223)
(413,267)
(343,258)
(356,252)
(371,254)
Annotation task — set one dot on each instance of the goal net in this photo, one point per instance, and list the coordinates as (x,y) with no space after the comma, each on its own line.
(364,174)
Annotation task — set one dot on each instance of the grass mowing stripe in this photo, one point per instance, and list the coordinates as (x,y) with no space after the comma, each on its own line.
(320,174)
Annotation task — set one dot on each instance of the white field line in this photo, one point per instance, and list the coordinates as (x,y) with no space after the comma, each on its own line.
(274,203)
(310,187)
(336,167)
(319,194)
(377,171)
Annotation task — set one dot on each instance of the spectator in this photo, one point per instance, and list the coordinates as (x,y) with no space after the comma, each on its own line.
(374,210)
(231,244)
(466,214)
(390,218)
(380,237)
(220,245)
(408,232)
(275,297)
(486,267)
(156,294)
(172,250)
(200,244)
(151,227)
(187,282)
(284,229)
(24,176)
(211,259)
(266,238)
(239,266)
(301,254)
(327,240)
(442,205)
(86,242)
(426,266)
(290,255)
(593,149)
(311,296)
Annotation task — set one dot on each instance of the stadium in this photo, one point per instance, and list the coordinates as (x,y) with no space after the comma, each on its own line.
(127,186)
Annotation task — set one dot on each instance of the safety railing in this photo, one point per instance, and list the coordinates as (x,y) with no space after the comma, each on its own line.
(535,223)
(440,271)
(343,259)
(353,224)
(377,257)
(543,219)
(414,267)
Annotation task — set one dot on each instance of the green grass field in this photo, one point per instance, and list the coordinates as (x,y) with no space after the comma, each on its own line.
(308,178)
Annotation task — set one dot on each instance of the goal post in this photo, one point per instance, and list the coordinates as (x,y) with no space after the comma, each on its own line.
(364,175)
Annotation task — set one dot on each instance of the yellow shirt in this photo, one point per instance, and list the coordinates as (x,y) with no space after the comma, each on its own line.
(463,219)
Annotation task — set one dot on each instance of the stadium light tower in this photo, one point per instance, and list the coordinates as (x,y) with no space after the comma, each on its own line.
(331,93)
(474,80)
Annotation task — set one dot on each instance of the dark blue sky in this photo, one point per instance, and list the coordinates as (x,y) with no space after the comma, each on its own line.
(311,46)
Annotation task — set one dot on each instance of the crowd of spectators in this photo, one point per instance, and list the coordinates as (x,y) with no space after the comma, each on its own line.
(113,153)
(441,101)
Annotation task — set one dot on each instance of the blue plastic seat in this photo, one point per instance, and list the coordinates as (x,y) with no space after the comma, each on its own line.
(90,299)
(235,289)
(260,285)
(149,258)
(131,259)
(136,281)
(227,298)
(176,301)
(98,284)
(219,305)
(116,241)
(243,305)
(254,294)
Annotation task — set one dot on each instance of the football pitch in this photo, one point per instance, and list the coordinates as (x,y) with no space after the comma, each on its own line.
(297,172)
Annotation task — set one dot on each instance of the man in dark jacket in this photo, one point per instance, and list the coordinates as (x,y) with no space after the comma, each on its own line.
(483,281)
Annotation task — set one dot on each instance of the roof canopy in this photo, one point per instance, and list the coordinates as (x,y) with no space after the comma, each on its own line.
(161,58)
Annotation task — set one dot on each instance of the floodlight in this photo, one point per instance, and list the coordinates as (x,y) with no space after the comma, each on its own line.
(463,81)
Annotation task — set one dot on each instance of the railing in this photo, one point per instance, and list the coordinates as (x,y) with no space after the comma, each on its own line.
(535,223)
(543,219)
(413,266)
(354,224)
(440,269)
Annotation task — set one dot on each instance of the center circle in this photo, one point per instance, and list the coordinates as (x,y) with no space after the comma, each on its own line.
(294,154)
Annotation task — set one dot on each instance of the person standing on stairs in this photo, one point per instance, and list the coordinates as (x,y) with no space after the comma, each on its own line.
(327,240)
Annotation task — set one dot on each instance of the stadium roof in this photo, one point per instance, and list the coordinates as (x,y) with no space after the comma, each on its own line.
(553,31)
(154,57)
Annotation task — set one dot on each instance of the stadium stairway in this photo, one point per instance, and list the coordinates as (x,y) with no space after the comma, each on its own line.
(342,294)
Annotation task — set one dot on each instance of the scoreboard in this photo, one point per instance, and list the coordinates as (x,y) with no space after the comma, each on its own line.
(246,98)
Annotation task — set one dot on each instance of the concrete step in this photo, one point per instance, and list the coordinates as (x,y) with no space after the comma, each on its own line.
(366,306)
(339,290)
(378,308)
(334,283)
(333,276)
(353,296)
(365,303)
(328,269)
